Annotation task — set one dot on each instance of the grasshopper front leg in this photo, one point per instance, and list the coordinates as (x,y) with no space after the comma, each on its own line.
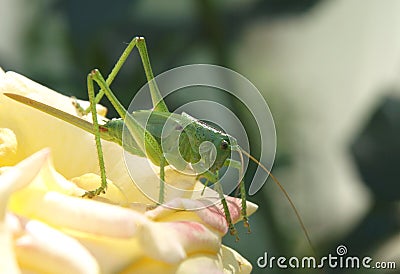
(144,139)
(238,165)
(213,178)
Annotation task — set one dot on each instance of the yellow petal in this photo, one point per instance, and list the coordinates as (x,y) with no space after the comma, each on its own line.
(90,181)
(26,201)
(225,261)
(233,262)
(44,249)
(88,216)
(19,176)
(8,263)
(150,266)
(201,263)
(112,254)
(8,146)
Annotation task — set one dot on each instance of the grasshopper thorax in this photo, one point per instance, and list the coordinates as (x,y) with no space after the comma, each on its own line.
(197,143)
(204,145)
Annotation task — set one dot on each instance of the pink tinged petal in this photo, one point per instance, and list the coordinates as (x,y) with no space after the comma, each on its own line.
(45,249)
(180,209)
(235,204)
(171,242)
(214,216)
(19,176)
(210,215)
(89,216)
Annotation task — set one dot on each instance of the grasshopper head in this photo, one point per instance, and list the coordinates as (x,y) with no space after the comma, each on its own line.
(204,146)
(222,144)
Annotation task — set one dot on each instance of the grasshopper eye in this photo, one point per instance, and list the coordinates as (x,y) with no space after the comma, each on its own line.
(224,145)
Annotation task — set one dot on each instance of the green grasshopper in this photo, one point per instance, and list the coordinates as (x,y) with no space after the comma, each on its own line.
(145,141)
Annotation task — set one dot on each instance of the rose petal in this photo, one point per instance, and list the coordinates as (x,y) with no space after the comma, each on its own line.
(8,263)
(150,266)
(202,263)
(211,215)
(19,176)
(233,262)
(225,261)
(25,201)
(88,215)
(90,181)
(172,242)
(37,251)
(8,146)
(112,254)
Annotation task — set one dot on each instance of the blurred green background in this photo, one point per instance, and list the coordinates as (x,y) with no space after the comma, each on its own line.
(329,70)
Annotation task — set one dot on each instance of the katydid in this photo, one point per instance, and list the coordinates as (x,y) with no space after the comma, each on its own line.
(145,140)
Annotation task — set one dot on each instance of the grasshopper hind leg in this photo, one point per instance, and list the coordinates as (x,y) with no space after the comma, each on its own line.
(96,130)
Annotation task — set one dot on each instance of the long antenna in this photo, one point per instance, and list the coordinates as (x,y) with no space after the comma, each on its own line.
(303,227)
